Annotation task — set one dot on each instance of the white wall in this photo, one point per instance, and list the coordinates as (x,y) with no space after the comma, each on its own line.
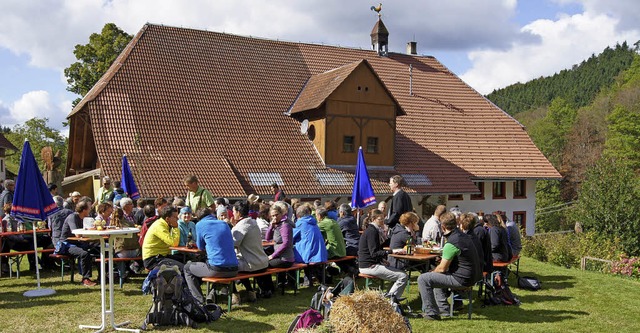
(509,205)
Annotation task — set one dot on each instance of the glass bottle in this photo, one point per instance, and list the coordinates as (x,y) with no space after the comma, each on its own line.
(409,245)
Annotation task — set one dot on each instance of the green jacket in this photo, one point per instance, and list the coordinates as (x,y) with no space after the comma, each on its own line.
(333,237)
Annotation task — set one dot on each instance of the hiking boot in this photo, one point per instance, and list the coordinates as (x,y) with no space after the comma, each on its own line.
(235,299)
(431,317)
(88,283)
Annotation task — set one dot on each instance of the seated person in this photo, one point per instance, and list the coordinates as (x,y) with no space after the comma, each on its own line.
(460,267)
(432,231)
(406,229)
(308,243)
(513,233)
(125,247)
(162,234)
(104,210)
(186,225)
(14,242)
(281,232)
(350,229)
(372,258)
(333,239)
(79,250)
(263,219)
(214,237)
(247,239)
(500,250)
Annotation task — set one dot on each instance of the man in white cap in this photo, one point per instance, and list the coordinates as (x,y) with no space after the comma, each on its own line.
(72,200)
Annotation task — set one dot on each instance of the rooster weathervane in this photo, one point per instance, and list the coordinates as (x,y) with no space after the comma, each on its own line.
(377,9)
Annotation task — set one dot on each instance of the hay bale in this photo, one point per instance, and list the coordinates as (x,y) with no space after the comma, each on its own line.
(365,312)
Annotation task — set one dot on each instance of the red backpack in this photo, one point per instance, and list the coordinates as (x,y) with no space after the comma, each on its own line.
(145,226)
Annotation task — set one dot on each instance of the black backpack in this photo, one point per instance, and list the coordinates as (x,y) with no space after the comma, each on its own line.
(173,304)
(529,283)
(498,291)
(321,300)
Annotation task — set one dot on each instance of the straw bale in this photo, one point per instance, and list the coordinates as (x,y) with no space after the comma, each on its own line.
(365,312)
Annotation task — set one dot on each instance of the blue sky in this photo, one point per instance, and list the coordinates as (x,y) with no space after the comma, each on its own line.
(488,43)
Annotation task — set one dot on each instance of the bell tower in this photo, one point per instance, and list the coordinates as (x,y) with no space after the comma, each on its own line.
(380,38)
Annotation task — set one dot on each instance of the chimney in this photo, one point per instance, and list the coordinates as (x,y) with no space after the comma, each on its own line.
(412,48)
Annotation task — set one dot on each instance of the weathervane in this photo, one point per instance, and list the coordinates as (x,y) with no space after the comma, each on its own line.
(377,9)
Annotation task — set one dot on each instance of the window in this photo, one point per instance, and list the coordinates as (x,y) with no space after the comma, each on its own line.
(372,145)
(520,189)
(348,144)
(499,190)
(479,196)
(520,218)
(455,196)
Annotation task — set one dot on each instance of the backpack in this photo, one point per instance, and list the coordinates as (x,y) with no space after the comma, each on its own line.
(308,319)
(173,303)
(145,227)
(498,292)
(323,299)
(529,283)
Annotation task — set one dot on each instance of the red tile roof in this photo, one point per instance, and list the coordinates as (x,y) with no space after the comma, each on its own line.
(181,101)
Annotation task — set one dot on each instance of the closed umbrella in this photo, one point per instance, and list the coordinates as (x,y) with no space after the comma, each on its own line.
(362,195)
(128,184)
(32,200)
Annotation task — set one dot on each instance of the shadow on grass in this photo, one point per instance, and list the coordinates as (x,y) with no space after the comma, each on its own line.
(555,281)
(231,324)
(545,316)
(15,300)
(529,299)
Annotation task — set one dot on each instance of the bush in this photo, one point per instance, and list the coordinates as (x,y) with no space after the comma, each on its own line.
(626,266)
(566,250)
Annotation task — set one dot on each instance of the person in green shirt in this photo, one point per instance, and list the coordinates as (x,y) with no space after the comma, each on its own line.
(197,196)
(105,191)
(334,240)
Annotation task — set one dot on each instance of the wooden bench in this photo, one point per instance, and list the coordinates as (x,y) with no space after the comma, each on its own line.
(515,260)
(469,291)
(241,276)
(71,261)
(121,268)
(369,280)
(17,256)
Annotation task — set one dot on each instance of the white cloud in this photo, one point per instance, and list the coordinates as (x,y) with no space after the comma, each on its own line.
(563,42)
(34,104)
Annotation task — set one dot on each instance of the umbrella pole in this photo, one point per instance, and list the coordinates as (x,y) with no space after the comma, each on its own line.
(37,292)
(35,249)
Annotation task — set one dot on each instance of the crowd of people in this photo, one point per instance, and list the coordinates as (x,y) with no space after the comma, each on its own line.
(231,237)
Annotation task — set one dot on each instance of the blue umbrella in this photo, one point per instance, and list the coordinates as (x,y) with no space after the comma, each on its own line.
(362,195)
(128,184)
(32,200)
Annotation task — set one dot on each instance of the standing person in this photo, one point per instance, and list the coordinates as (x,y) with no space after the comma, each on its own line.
(460,267)
(104,193)
(432,231)
(372,258)
(79,250)
(6,197)
(197,196)
(213,236)
(247,239)
(278,194)
(308,243)
(162,234)
(281,232)
(401,202)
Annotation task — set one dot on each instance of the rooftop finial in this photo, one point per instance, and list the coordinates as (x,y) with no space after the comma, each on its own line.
(377,9)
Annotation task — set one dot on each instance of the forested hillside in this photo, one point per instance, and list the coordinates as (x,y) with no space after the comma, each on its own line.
(577,86)
(591,134)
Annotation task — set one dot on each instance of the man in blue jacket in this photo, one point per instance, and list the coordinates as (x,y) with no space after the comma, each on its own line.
(308,242)
(215,237)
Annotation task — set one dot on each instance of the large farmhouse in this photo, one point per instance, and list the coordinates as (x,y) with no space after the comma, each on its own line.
(242,113)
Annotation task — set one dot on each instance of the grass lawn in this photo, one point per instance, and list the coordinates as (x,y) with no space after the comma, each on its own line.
(570,301)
